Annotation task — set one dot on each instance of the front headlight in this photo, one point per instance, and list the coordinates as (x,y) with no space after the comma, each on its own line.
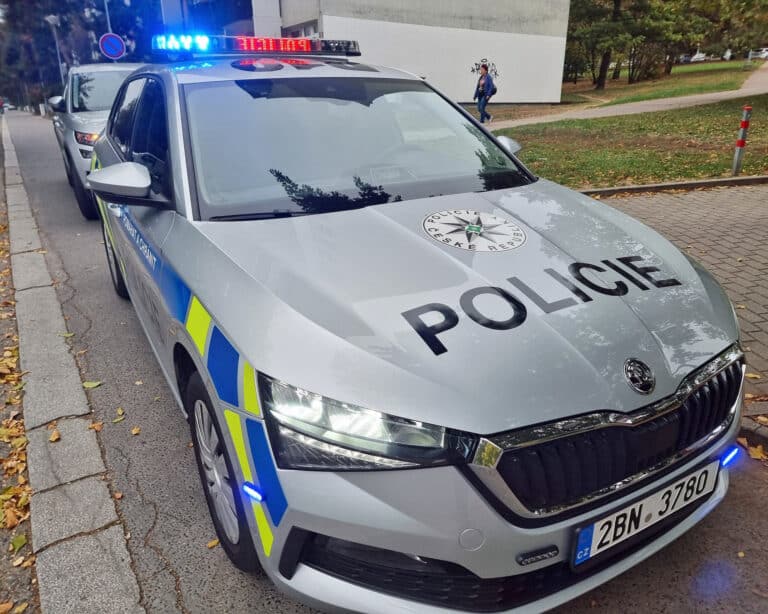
(309,431)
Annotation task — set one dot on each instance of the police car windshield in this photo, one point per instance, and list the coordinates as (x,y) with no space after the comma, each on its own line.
(317,144)
(95,91)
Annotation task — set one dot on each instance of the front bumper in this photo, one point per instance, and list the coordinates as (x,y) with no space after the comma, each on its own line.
(438,514)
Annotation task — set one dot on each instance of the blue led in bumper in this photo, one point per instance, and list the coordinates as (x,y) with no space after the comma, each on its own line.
(730,456)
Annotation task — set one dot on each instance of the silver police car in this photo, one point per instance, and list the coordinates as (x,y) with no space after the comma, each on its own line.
(418,377)
(79,116)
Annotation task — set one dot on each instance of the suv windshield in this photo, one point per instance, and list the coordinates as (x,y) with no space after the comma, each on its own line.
(269,147)
(95,91)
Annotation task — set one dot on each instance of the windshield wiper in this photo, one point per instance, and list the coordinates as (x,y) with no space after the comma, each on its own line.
(258,215)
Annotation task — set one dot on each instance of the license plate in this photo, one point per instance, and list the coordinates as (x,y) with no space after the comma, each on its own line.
(614,529)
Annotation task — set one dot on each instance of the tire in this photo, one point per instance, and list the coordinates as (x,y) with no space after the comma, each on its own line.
(221,491)
(85,200)
(68,170)
(118,283)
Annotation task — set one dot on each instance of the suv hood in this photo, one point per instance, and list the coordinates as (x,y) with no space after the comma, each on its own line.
(414,327)
(91,121)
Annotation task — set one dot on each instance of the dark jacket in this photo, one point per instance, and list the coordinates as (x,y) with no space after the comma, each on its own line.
(486,89)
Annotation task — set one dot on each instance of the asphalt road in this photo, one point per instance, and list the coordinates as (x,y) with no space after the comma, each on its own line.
(163,506)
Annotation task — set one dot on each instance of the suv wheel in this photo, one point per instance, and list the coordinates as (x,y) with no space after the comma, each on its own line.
(118,283)
(218,478)
(68,170)
(85,200)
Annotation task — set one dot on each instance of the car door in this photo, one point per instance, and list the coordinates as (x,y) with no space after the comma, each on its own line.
(144,228)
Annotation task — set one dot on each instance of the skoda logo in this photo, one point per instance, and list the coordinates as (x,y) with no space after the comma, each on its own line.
(639,376)
(474,231)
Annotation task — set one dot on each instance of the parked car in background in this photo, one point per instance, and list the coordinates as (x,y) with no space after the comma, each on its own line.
(727,55)
(761,53)
(80,114)
(698,57)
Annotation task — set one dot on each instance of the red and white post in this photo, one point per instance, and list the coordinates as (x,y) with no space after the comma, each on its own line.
(741,142)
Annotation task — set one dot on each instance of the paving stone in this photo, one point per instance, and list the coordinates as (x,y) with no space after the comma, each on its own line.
(67,510)
(76,455)
(53,387)
(24,236)
(29,271)
(88,575)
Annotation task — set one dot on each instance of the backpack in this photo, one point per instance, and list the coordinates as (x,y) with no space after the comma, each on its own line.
(493,91)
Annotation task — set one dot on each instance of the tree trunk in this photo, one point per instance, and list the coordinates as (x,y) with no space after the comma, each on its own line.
(617,69)
(603,74)
(669,63)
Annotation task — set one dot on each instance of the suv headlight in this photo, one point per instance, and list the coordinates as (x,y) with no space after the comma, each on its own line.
(309,431)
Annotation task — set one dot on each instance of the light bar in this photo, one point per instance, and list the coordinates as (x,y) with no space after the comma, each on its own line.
(234,45)
(730,456)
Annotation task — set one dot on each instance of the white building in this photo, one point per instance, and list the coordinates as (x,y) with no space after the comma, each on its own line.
(523,41)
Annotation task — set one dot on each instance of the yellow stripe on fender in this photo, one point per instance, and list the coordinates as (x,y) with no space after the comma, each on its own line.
(198,323)
(262,524)
(250,401)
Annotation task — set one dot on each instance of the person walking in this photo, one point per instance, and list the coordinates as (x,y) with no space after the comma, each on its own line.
(483,92)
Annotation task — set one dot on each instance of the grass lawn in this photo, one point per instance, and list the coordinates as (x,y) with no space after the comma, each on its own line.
(698,78)
(687,79)
(692,143)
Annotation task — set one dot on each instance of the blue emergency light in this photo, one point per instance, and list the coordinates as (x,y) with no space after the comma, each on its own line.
(202,44)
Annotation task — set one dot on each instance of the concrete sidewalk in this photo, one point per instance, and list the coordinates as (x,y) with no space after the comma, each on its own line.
(755,85)
(82,562)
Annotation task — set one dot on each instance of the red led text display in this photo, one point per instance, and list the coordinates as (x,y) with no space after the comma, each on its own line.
(284,45)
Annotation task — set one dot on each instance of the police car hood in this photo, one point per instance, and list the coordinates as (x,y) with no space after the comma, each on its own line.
(403,322)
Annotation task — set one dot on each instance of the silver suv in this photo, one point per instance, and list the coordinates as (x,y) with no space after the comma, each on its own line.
(79,116)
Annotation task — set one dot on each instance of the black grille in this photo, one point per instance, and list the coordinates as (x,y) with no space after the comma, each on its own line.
(454,587)
(561,472)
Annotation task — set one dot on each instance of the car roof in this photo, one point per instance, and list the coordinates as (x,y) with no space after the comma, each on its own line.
(204,70)
(104,67)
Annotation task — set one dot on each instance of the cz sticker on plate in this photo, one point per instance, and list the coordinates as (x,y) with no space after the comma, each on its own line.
(614,529)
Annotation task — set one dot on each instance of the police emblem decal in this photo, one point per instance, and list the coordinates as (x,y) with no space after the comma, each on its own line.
(639,376)
(474,231)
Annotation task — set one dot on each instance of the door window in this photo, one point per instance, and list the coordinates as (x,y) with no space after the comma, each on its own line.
(121,127)
(149,145)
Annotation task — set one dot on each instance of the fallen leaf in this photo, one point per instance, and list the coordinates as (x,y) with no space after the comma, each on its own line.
(118,495)
(762,420)
(18,542)
(51,425)
(55,436)
(6,607)
(96,426)
(120,411)
(739,259)
(157,398)
(90,385)
(135,430)
(742,441)
(212,544)
(741,555)
(18,561)
(190,445)
(66,335)
(138,382)
(749,396)
(118,419)
(20,608)
(757,452)
(29,562)
(741,306)
(11,519)
(754,376)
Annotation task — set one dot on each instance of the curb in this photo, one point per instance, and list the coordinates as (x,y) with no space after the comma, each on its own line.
(756,434)
(678,185)
(83,564)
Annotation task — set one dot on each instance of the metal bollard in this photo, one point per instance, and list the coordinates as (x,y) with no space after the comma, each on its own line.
(741,142)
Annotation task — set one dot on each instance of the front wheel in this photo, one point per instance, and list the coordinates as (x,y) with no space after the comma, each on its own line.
(85,200)
(219,479)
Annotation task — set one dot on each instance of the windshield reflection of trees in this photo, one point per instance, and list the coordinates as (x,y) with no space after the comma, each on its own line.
(317,200)
(84,91)
(495,171)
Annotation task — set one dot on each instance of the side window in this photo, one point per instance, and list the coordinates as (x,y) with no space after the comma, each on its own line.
(122,122)
(149,145)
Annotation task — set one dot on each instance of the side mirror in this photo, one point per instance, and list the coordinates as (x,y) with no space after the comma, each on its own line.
(127,180)
(511,145)
(58,104)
